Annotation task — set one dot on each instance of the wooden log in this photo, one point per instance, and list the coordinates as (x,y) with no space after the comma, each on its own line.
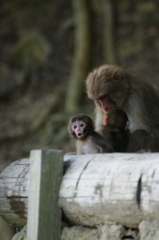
(118,188)
(96,189)
(14,183)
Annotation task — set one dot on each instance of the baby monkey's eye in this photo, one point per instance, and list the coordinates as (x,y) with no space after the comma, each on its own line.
(75,126)
(81,125)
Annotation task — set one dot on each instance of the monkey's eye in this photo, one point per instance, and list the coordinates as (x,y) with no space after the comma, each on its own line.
(75,126)
(103,97)
(81,125)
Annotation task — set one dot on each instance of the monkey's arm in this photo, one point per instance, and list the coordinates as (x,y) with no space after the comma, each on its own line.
(141,140)
(101,143)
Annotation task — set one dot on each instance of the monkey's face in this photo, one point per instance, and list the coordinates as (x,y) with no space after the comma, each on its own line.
(106,103)
(78,128)
(108,86)
(116,118)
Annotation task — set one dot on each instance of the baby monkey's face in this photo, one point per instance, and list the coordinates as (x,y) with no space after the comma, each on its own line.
(78,128)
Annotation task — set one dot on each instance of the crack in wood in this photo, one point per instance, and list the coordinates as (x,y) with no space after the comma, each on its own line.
(153,174)
(138,192)
(82,172)
(15,196)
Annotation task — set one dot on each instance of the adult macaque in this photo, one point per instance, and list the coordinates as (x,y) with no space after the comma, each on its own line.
(115,129)
(115,87)
(81,127)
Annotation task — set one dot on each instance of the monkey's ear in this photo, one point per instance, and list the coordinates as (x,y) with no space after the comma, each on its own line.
(105,118)
(117,75)
(127,125)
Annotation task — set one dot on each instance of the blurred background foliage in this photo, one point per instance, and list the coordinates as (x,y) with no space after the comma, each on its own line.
(47,48)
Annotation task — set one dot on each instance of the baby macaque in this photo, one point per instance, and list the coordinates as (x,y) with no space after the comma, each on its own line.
(88,141)
(115,129)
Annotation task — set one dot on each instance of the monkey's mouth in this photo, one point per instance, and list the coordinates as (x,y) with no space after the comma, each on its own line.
(106,103)
(80,135)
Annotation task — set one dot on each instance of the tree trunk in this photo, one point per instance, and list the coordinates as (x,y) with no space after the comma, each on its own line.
(82,56)
(110,38)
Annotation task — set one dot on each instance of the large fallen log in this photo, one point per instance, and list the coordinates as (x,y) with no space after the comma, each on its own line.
(96,189)
(117,188)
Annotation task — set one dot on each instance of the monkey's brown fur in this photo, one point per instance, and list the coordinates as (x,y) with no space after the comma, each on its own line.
(91,142)
(116,129)
(124,90)
(141,140)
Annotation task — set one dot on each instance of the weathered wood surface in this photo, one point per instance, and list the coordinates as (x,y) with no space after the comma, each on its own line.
(14,183)
(104,188)
(96,189)
(44,215)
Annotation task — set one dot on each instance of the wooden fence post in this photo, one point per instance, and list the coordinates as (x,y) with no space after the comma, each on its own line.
(44,215)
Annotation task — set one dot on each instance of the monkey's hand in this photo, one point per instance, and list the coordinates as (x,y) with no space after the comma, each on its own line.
(105,120)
